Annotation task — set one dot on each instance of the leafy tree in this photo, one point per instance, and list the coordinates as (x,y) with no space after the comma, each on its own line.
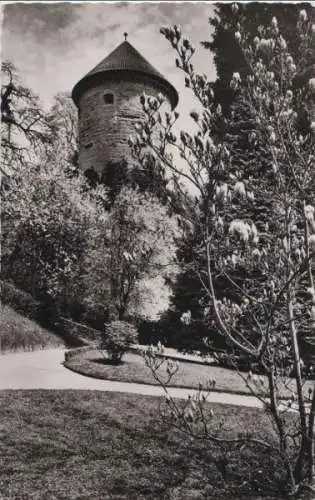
(63,120)
(49,220)
(25,130)
(29,133)
(139,244)
(48,212)
(267,260)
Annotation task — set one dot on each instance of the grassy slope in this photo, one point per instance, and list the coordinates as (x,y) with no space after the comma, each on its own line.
(20,333)
(189,375)
(91,445)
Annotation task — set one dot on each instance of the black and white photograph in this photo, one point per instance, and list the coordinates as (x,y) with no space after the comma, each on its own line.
(157,326)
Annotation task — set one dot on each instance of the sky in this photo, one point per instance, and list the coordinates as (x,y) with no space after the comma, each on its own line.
(53,45)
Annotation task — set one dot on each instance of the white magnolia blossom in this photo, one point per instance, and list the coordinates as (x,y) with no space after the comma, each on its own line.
(186,318)
(206,311)
(309,212)
(267,44)
(303,15)
(254,230)
(274,22)
(234,259)
(172,366)
(292,67)
(236,77)
(127,256)
(287,114)
(239,189)
(256,253)
(251,78)
(311,83)
(219,222)
(238,36)
(241,229)
(282,43)
(250,196)
(289,95)
(276,86)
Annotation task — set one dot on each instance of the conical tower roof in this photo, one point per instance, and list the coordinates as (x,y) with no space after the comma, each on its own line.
(125,58)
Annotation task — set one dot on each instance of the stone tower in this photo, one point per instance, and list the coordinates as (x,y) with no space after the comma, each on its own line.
(108,101)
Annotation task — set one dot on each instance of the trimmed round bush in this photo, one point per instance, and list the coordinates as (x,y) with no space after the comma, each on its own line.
(116,338)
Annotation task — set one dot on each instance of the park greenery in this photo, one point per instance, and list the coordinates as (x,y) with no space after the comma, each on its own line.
(65,242)
(254,217)
(229,225)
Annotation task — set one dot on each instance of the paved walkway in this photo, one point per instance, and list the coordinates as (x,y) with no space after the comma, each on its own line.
(44,370)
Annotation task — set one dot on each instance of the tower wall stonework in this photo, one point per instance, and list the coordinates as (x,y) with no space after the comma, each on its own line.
(104,129)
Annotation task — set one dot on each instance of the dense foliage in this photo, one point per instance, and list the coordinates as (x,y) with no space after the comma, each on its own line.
(87,250)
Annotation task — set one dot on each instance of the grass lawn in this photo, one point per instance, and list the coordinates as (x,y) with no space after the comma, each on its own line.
(20,333)
(94,445)
(133,369)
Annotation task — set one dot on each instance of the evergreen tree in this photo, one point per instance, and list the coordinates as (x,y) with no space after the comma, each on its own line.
(228,57)
(149,178)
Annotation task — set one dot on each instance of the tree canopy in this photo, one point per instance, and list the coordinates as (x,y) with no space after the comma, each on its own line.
(228,57)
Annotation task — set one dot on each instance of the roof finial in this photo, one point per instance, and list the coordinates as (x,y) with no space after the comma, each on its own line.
(125,35)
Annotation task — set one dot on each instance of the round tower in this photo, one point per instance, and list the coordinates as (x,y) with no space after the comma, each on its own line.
(108,101)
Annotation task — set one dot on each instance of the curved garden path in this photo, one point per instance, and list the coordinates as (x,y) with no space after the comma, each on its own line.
(44,370)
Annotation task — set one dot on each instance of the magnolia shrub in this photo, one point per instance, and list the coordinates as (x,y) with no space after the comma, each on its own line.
(252,178)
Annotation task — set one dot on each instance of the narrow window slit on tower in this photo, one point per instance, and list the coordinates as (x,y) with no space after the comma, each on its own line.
(108,98)
(89,145)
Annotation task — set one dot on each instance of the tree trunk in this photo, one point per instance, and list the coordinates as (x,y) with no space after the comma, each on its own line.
(301,466)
